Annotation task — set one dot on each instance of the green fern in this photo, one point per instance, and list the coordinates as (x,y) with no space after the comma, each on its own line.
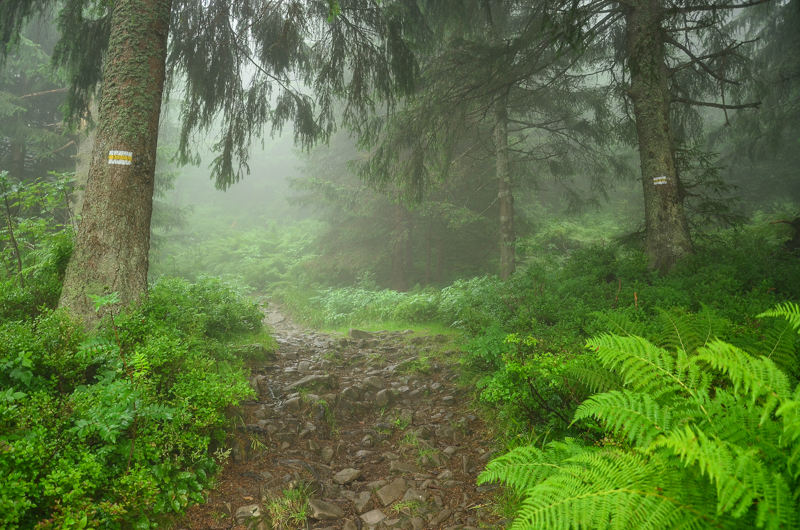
(697,455)
(790,311)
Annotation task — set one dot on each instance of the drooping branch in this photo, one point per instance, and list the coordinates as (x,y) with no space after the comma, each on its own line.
(701,60)
(753,105)
(713,7)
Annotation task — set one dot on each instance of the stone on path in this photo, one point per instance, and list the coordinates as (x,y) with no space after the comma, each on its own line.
(415,495)
(373,517)
(357,334)
(391,492)
(312,381)
(346,476)
(324,510)
(327,454)
(247,512)
(384,398)
(417,523)
(396,465)
(439,519)
(363,502)
(349,525)
(374,382)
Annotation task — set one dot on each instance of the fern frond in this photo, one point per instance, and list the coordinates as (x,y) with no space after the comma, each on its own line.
(527,466)
(779,345)
(789,310)
(711,326)
(592,375)
(741,478)
(613,490)
(756,377)
(678,333)
(644,367)
(639,417)
(619,324)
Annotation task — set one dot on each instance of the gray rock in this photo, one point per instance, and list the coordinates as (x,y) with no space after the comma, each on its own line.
(374,383)
(407,417)
(445,432)
(362,454)
(327,454)
(391,492)
(376,484)
(391,456)
(449,450)
(304,366)
(352,393)
(357,334)
(445,475)
(349,525)
(384,398)
(415,495)
(396,465)
(373,517)
(439,519)
(293,404)
(417,523)
(464,464)
(363,502)
(436,386)
(346,476)
(324,510)
(247,512)
(313,381)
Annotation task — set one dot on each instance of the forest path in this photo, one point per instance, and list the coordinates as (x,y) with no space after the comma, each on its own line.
(377,443)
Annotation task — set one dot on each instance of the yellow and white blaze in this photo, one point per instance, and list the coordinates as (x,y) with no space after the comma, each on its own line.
(660,181)
(122,158)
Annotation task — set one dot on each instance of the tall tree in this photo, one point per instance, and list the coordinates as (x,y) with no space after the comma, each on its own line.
(113,242)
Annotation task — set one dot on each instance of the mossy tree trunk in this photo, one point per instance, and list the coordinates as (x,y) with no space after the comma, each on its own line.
(505,196)
(399,236)
(667,228)
(113,241)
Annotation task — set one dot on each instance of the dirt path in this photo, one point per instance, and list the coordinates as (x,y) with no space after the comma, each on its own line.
(376,443)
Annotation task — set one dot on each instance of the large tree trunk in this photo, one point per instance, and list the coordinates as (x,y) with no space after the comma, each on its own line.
(440,263)
(410,253)
(83,161)
(505,196)
(399,280)
(111,249)
(668,238)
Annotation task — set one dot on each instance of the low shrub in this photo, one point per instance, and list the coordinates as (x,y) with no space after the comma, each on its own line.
(113,429)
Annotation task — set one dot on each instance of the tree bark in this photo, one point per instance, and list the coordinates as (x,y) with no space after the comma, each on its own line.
(667,228)
(83,161)
(440,263)
(505,196)
(410,253)
(399,280)
(428,254)
(111,249)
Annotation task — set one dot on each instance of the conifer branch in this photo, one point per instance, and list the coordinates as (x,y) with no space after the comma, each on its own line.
(753,105)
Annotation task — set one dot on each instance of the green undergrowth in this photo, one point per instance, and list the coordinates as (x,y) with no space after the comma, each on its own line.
(117,428)
(680,430)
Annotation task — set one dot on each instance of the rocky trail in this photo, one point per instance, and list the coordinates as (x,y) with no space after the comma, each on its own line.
(352,423)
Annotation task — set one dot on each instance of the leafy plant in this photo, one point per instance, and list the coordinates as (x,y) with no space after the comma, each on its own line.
(705,438)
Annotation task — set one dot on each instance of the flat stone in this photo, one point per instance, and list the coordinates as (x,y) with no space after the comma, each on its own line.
(373,517)
(363,502)
(396,465)
(374,382)
(384,398)
(444,432)
(292,404)
(349,525)
(390,456)
(363,453)
(439,519)
(324,510)
(357,334)
(445,475)
(417,523)
(415,495)
(346,476)
(407,417)
(450,449)
(312,381)
(247,512)
(376,484)
(327,454)
(391,492)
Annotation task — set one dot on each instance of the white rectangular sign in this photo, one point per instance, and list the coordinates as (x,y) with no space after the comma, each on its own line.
(122,158)
(660,181)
